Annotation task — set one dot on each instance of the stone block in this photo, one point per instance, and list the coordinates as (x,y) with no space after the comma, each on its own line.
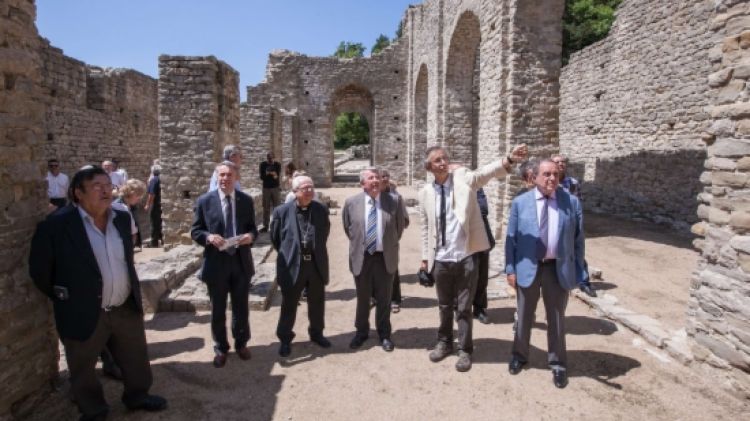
(741,243)
(724,351)
(740,221)
(730,147)
(718,216)
(731,179)
(720,78)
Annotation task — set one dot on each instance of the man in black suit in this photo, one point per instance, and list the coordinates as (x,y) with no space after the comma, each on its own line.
(483,263)
(299,232)
(82,259)
(224,224)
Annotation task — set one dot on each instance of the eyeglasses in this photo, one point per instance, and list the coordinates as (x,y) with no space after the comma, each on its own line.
(306,189)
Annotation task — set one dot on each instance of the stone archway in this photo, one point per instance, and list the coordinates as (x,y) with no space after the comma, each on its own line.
(351,98)
(419,132)
(461,118)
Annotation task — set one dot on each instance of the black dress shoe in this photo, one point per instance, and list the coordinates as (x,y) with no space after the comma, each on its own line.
(588,290)
(387,345)
(482,317)
(244,353)
(516,366)
(220,359)
(357,341)
(321,340)
(285,349)
(151,403)
(560,378)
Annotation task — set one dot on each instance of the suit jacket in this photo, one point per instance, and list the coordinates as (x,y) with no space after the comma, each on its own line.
(353,216)
(464,205)
(209,219)
(61,256)
(285,237)
(523,234)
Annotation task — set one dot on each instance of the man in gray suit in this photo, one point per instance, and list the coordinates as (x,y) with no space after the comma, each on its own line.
(544,250)
(373,222)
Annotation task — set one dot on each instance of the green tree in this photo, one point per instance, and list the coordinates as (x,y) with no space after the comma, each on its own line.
(399,30)
(586,22)
(350,129)
(380,44)
(350,50)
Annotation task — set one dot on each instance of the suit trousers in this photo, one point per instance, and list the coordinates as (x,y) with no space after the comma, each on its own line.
(455,284)
(555,300)
(480,296)
(396,296)
(374,281)
(236,285)
(308,278)
(271,199)
(121,330)
(155,217)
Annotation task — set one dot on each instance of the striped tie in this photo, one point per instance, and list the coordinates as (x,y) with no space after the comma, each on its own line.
(372,228)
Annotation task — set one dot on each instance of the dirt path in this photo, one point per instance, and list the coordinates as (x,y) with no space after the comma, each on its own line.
(612,375)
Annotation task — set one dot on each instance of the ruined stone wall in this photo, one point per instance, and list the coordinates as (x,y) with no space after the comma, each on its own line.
(309,92)
(199,114)
(719,307)
(28,345)
(93,114)
(632,108)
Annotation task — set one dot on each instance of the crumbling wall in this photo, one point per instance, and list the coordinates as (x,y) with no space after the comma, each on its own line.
(719,306)
(632,108)
(93,114)
(199,114)
(28,344)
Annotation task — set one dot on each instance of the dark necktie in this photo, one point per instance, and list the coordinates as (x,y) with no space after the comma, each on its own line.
(229,226)
(442,213)
(543,230)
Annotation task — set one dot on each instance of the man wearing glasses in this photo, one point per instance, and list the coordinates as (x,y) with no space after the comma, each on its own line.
(57,184)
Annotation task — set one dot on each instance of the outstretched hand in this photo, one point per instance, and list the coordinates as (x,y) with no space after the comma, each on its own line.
(519,153)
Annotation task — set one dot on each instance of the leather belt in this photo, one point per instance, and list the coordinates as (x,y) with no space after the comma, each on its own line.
(547,261)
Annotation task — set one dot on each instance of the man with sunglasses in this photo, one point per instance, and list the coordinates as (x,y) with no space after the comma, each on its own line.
(57,184)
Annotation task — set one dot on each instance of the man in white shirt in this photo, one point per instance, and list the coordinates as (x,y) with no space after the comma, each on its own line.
(57,184)
(452,233)
(117,179)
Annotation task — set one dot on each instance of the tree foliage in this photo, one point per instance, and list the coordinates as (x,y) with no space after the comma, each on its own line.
(586,22)
(350,50)
(350,129)
(399,30)
(380,44)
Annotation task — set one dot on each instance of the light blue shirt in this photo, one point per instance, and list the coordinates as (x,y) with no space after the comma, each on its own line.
(368,205)
(109,252)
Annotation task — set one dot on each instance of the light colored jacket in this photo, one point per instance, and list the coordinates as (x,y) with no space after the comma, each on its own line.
(465,207)
(523,235)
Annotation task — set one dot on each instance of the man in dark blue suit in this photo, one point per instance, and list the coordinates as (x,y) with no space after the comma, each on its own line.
(299,232)
(544,251)
(224,224)
(82,259)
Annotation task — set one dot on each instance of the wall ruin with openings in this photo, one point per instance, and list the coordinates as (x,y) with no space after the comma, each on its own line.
(632,107)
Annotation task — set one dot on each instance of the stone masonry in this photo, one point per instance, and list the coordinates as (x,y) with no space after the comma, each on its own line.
(632,108)
(719,307)
(28,346)
(198,116)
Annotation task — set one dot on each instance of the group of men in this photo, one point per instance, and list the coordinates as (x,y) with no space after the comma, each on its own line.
(82,258)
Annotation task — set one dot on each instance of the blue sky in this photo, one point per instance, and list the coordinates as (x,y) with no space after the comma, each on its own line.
(133,33)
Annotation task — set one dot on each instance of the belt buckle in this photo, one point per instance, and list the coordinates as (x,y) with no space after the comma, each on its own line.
(307,257)
(108,308)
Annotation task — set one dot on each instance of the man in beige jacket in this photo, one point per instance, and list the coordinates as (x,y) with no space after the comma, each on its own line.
(452,232)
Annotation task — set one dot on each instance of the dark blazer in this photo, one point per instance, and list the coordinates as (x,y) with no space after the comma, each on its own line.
(209,219)
(61,256)
(285,238)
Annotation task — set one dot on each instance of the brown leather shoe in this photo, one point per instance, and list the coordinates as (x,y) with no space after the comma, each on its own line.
(244,353)
(220,359)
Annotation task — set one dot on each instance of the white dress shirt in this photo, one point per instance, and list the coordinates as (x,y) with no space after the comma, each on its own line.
(57,186)
(117,179)
(223,196)
(368,205)
(454,249)
(553,220)
(109,252)
(123,207)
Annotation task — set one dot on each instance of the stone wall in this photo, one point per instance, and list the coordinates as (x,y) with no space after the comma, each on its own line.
(199,114)
(28,345)
(93,114)
(719,307)
(632,108)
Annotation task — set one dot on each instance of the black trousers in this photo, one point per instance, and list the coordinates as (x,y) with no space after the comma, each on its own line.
(483,274)
(308,278)
(455,284)
(121,330)
(155,217)
(374,281)
(59,201)
(555,300)
(396,296)
(235,285)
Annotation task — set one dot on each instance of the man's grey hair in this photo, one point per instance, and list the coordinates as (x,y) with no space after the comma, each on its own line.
(561,156)
(230,150)
(525,168)
(156,169)
(228,164)
(364,171)
(298,180)
(538,164)
(429,151)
